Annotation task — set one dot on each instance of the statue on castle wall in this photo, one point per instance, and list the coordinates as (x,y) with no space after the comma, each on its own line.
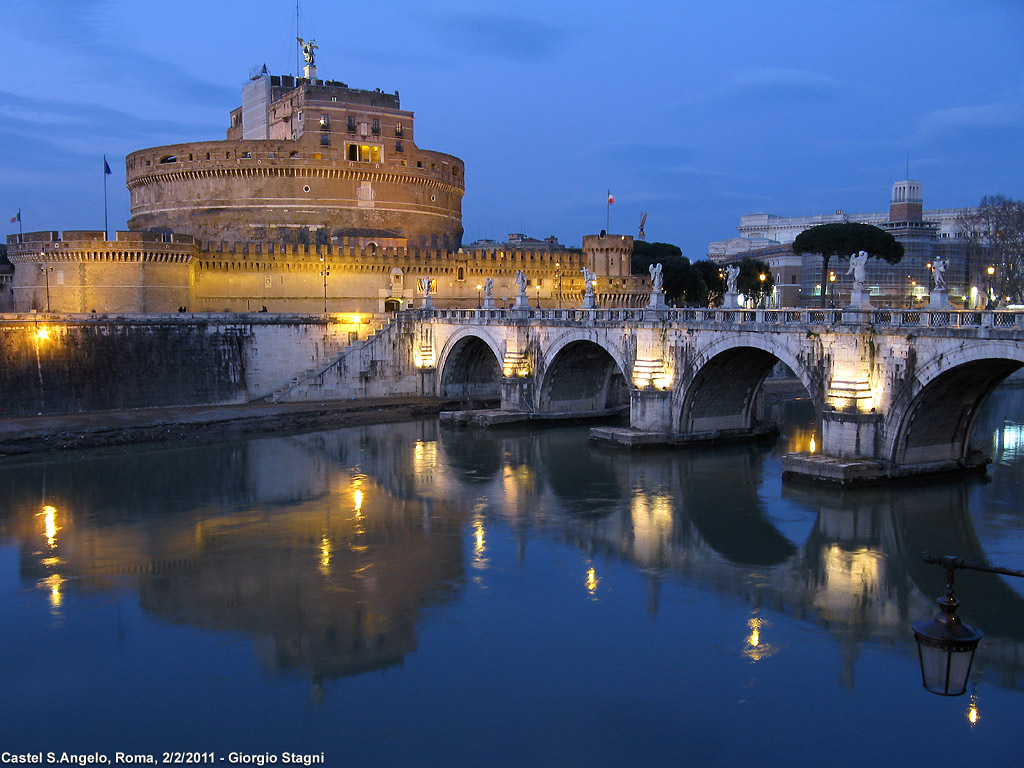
(489,287)
(308,49)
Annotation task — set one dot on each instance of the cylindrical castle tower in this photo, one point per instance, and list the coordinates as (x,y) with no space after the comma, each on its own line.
(302,157)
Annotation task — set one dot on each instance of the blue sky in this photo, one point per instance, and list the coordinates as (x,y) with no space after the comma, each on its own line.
(694,112)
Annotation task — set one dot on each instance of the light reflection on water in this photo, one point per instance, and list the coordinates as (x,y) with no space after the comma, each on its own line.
(522,584)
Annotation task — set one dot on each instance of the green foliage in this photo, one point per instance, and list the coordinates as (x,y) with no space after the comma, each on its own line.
(749,283)
(697,284)
(843,240)
(674,265)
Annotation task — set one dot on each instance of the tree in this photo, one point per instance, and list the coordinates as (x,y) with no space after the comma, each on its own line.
(995,238)
(675,267)
(844,239)
(749,282)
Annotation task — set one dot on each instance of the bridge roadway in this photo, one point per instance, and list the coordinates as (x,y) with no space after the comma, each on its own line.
(898,391)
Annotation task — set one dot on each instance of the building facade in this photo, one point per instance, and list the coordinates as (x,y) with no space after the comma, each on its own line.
(926,236)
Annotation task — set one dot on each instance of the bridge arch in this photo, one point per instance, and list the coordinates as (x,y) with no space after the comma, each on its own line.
(932,418)
(720,390)
(581,374)
(469,366)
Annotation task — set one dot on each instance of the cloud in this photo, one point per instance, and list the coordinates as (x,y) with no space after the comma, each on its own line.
(85,127)
(501,35)
(998,115)
(780,82)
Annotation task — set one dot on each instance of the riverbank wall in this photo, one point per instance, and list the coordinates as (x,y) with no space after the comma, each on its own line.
(53,363)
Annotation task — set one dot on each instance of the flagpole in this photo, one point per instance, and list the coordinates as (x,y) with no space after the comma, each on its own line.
(105,230)
(19,225)
(608,212)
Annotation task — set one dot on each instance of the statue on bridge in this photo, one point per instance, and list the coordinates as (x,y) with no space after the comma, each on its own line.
(858,268)
(521,283)
(489,288)
(732,275)
(656,278)
(589,297)
(939,272)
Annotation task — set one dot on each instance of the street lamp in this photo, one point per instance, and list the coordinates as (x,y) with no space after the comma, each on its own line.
(945,644)
(558,276)
(324,272)
(990,270)
(479,288)
(538,294)
(762,278)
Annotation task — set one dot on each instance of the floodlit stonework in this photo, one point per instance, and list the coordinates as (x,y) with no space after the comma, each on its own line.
(318,200)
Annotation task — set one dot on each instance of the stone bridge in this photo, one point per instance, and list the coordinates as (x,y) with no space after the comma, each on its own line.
(898,391)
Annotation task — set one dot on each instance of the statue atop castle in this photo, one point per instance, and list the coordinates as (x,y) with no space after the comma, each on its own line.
(308,49)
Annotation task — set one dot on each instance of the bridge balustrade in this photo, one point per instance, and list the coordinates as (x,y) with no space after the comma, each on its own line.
(897,318)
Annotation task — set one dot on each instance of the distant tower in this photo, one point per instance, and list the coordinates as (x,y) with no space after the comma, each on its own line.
(905,204)
(608,255)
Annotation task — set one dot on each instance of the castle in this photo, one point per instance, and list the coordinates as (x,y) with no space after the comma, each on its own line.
(317,200)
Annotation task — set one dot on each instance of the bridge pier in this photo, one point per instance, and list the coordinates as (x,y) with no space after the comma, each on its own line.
(517,393)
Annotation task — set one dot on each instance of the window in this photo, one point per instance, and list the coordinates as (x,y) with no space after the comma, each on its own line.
(351,123)
(325,139)
(325,122)
(398,146)
(376,126)
(353,152)
(398,128)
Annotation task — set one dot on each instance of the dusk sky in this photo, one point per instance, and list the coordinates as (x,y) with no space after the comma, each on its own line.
(696,113)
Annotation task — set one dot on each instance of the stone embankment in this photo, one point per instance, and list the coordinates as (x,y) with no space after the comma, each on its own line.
(197,424)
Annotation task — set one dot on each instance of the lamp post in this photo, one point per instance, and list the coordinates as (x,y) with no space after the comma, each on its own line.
(538,294)
(762,277)
(558,276)
(479,288)
(990,271)
(324,272)
(945,644)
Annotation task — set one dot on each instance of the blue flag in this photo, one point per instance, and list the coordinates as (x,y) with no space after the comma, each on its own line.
(106,168)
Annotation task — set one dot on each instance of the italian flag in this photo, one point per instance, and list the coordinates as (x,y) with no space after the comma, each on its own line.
(611,198)
(16,218)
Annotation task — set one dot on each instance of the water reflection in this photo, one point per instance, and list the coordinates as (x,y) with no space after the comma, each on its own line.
(328,549)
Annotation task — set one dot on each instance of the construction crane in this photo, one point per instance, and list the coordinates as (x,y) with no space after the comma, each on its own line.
(643,220)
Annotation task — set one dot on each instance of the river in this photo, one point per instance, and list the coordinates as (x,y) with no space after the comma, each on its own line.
(406,594)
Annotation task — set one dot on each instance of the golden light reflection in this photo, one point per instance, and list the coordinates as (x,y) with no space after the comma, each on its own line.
(592,580)
(325,555)
(50,523)
(479,545)
(54,583)
(357,496)
(972,713)
(755,648)
(43,333)
(813,446)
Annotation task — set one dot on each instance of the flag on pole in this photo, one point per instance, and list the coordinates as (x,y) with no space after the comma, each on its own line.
(106,167)
(611,198)
(16,218)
